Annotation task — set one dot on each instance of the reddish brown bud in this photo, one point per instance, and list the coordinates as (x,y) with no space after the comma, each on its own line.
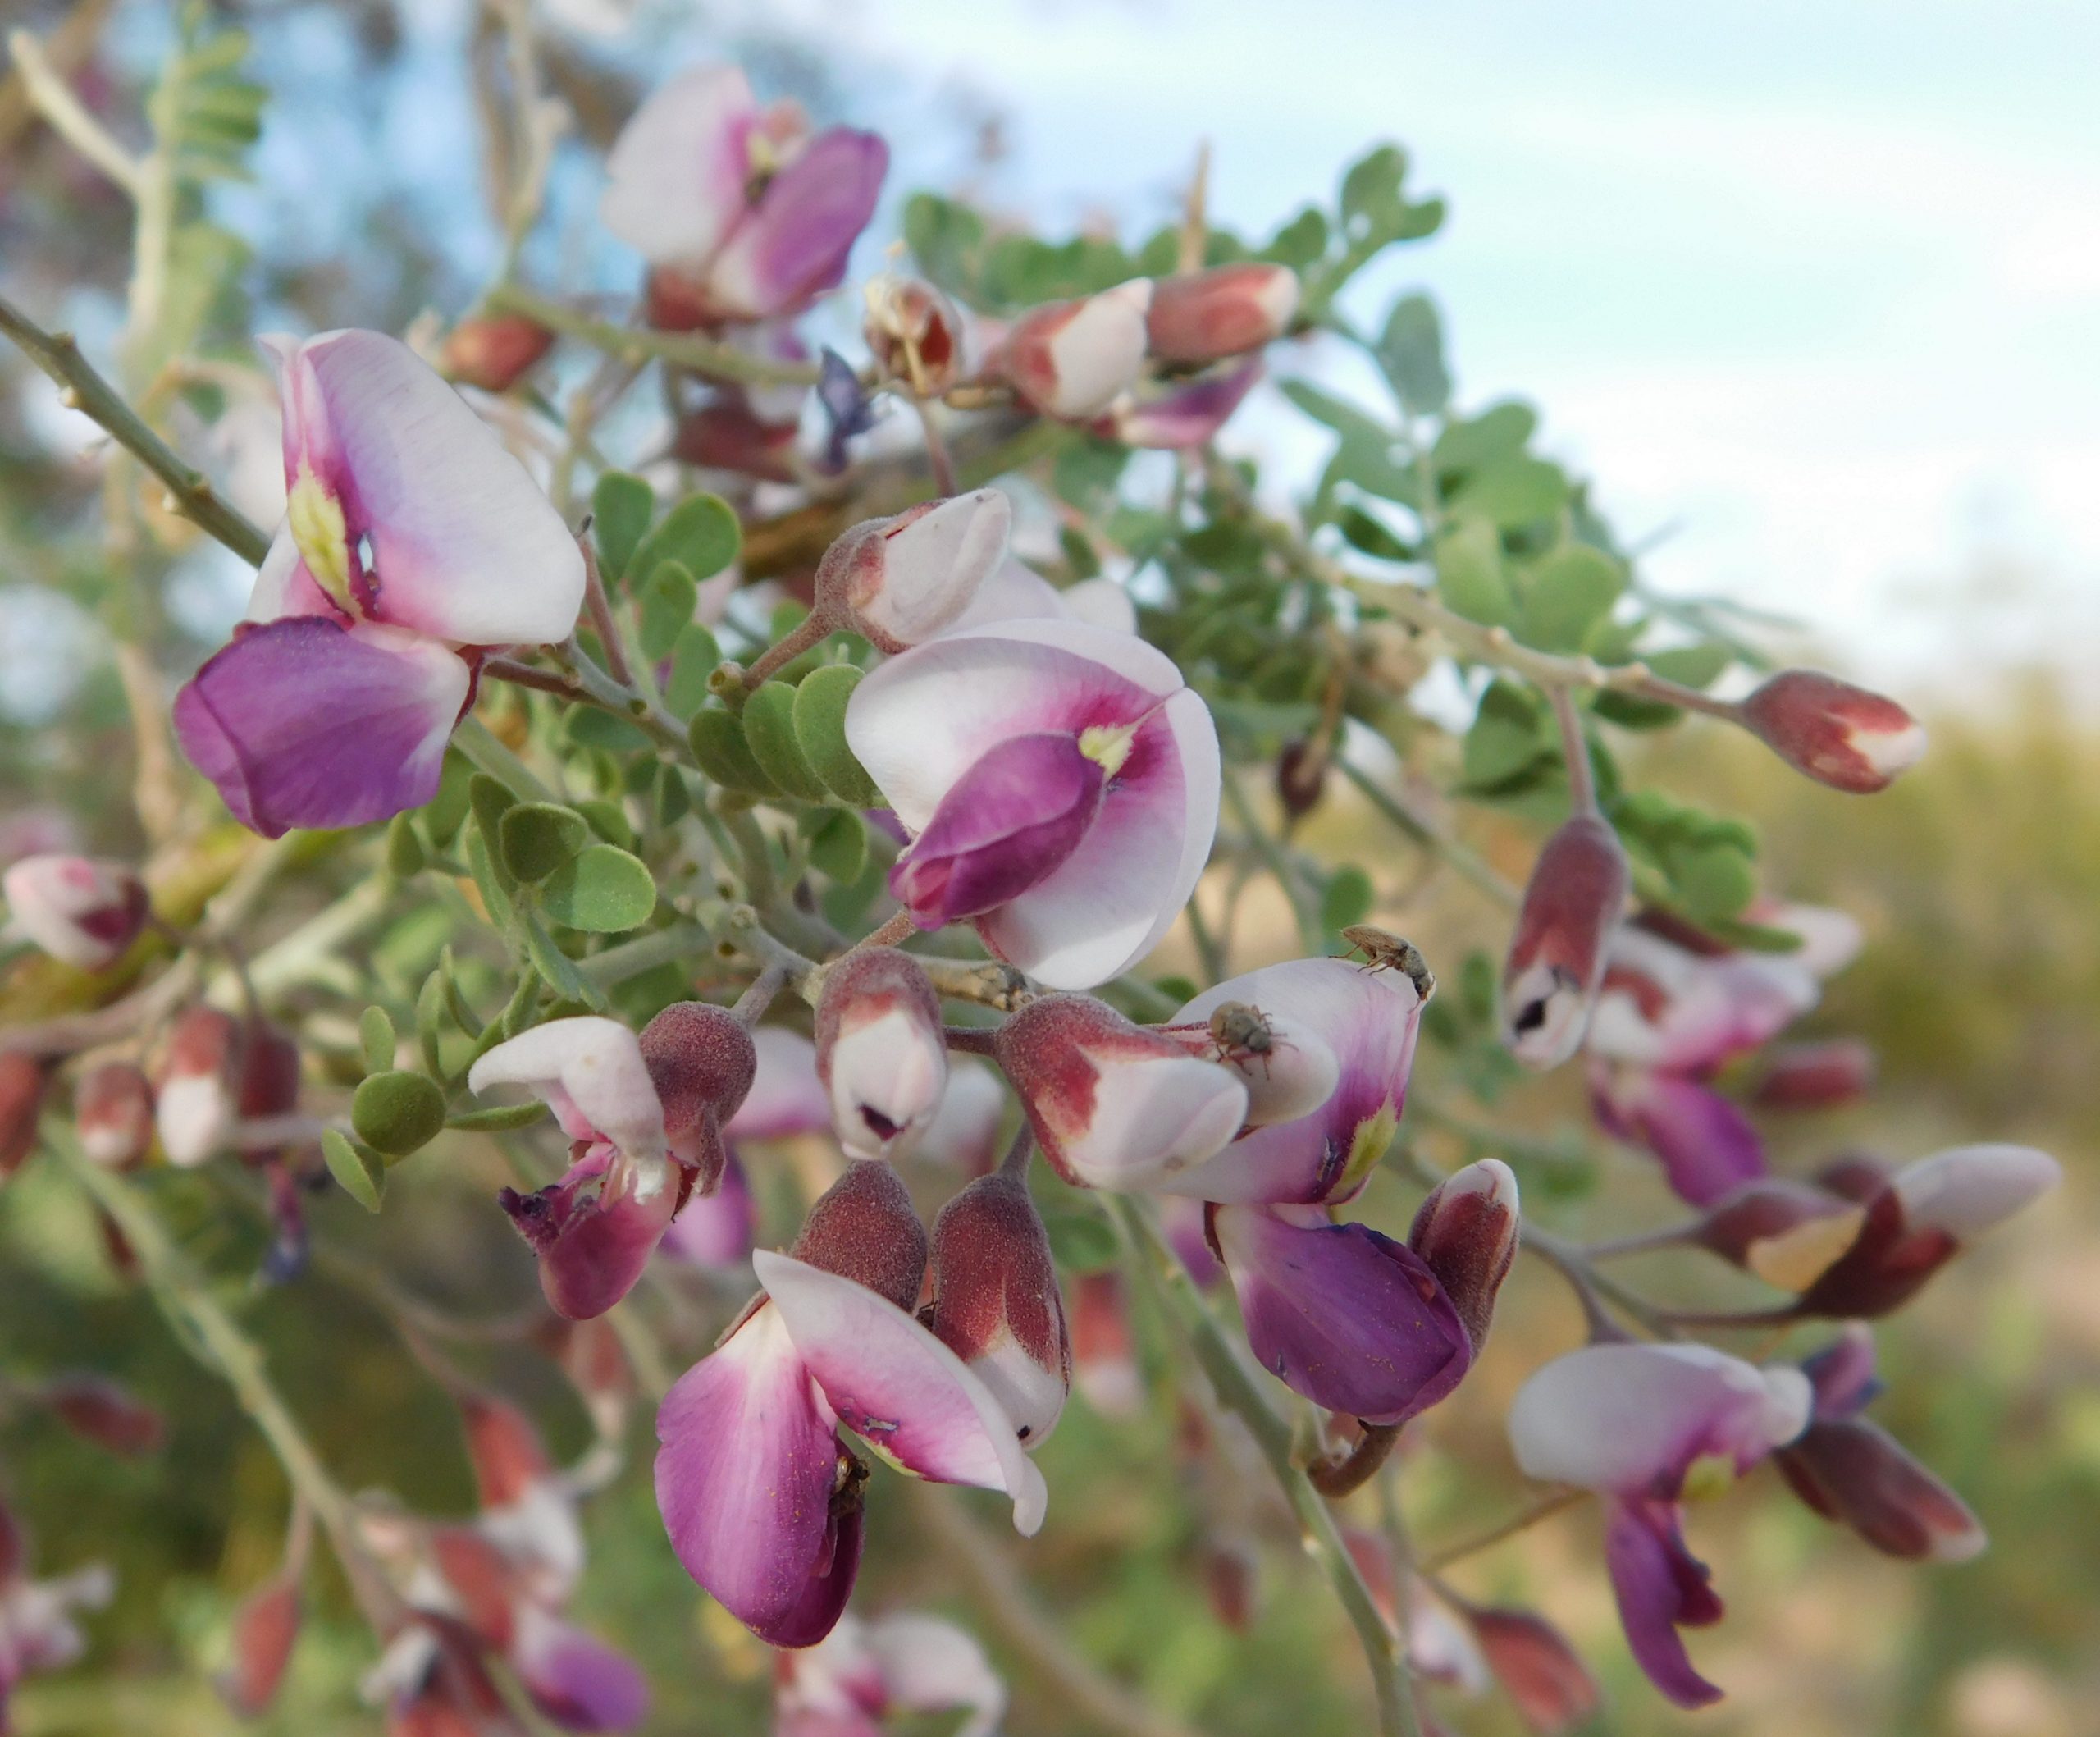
(504,1448)
(1557,954)
(1232,1579)
(1833,731)
(880,1055)
(1465,1232)
(1787,1232)
(674,302)
(196,1107)
(1073,359)
(1539,1670)
(265,1631)
(1816,1077)
(995,1303)
(914,334)
(269,1072)
(101,1412)
(1853,1472)
(728,434)
(701,1061)
(863,1228)
(1301,777)
(22,1078)
(1226,311)
(113,1110)
(494,351)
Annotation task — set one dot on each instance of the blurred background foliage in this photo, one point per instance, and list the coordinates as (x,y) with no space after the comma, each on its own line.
(1979,988)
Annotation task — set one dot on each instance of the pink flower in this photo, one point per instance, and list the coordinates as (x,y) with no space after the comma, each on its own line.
(1013,591)
(861,1674)
(1185,415)
(83,912)
(1059,782)
(744,213)
(412,540)
(879,1051)
(761,1497)
(1647,1426)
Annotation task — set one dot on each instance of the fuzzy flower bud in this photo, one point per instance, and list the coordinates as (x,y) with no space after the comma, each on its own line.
(1072,359)
(1834,733)
(197,1105)
(1557,957)
(1537,1668)
(898,582)
(995,1303)
(1226,311)
(915,333)
(100,1412)
(79,911)
(701,1061)
(863,1228)
(494,351)
(265,1631)
(1465,1232)
(113,1111)
(880,1054)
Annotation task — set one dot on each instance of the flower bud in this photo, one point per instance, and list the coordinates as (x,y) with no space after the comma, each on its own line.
(1114,1105)
(1537,1668)
(265,1631)
(1186,416)
(1816,1077)
(22,1081)
(880,1054)
(1104,1356)
(494,351)
(113,1110)
(1226,311)
(1853,1472)
(196,1107)
(898,582)
(1557,957)
(1072,359)
(101,1412)
(914,332)
(1301,777)
(964,1134)
(1787,1232)
(701,1061)
(81,912)
(1833,731)
(995,1303)
(269,1072)
(1465,1232)
(728,434)
(863,1228)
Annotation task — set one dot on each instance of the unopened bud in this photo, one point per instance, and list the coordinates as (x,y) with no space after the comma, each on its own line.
(1816,1077)
(1465,1232)
(494,351)
(915,333)
(863,1228)
(1232,1580)
(269,1072)
(1536,1667)
(728,434)
(880,1054)
(1854,1473)
(1787,1232)
(995,1303)
(100,1412)
(22,1080)
(77,910)
(504,1448)
(1301,776)
(113,1112)
(1226,311)
(701,1061)
(196,1109)
(1104,1355)
(1557,954)
(1833,731)
(898,582)
(1072,359)
(265,1631)
(672,301)
(1112,1104)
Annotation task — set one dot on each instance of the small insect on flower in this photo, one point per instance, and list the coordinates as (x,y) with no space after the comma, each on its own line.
(1384,951)
(1240,1031)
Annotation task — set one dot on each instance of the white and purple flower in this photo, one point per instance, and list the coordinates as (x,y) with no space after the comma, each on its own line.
(80,911)
(863,1674)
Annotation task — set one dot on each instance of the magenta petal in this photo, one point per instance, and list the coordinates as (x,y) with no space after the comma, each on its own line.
(591,1249)
(715,1230)
(578,1681)
(747,1479)
(1660,1586)
(1352,1319)
(303,722)
(794,246)
(1007,823)
(1707,1146)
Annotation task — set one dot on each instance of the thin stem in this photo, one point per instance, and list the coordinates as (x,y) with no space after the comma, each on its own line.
(897,928)
(1544,1508)
(1343,1474)
(601,616)
(751,1006)
(1015,1163)
(1581,778)
(189,491)
(812,629)
(1279,865)
(1670,1236)
(938,459)
(557,682)
(53,98)
(703,355)
(971,1039)
(616,697)
(1734,1319)
(1471,866)
(1237,1391)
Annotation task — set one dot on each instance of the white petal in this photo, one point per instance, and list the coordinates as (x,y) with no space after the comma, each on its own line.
(675,176)
(1967,1189)
(591,1065)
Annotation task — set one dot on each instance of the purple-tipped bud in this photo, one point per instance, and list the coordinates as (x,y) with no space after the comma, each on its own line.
(1838,734)
(880,1055)
(494,351)
(1788,1233)
(863,1228)
(592,1247)
(1007,825)
(1537,1668)
(265,1631)
(1114,1105)
(1816,1077)
(113,1110)
(995,1303)
(1854,1473)
(77,910)
(1226,311)
(701,1061)
(1186,415)
(1073,359)
(198,1104)
(1465,1232)
(898,582)
(100,1412)
(1557,957)
(914,332)
(22,1080)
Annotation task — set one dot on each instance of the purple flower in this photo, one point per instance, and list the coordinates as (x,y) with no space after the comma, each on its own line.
(1060,784)
(743,212)
(411,540)
(861,1674)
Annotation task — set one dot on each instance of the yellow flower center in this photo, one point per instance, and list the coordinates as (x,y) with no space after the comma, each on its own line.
(321,535)
(1108,745)
(1708,1476)
(1365,1147)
